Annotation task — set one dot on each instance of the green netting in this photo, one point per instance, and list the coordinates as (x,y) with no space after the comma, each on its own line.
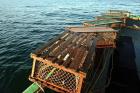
(134,16)
(103,22)
(49,75)
(32,88)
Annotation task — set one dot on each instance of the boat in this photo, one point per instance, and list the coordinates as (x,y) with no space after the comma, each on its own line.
(74,61)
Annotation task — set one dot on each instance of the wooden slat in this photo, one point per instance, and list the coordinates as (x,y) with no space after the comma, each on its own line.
(89,59)
(78,58)
(40,50)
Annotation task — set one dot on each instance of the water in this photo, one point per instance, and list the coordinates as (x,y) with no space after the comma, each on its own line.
(26,25)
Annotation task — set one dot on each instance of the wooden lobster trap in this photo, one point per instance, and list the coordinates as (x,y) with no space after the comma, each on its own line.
(104,22)
(59,65)
(120,15)
(56,77)
(65,62)
(105,36)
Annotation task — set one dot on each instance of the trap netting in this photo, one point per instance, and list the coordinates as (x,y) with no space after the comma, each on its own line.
(57,77)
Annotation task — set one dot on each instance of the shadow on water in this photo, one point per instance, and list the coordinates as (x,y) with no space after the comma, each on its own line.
(12,82)
(124,75)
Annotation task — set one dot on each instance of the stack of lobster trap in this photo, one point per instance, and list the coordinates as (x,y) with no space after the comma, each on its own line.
(72,62)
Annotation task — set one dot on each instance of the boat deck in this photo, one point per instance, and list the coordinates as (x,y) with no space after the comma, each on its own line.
(126,72)
(68,62)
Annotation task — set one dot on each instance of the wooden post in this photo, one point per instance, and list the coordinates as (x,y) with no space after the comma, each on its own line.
(33,67)
(80,84)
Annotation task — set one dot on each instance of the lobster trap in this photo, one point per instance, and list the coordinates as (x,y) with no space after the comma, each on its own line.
(56,77)
(67,61)
(105,36)
(119,15)
(104,23)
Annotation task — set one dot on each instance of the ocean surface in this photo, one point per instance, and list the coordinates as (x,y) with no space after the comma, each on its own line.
(26,25)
